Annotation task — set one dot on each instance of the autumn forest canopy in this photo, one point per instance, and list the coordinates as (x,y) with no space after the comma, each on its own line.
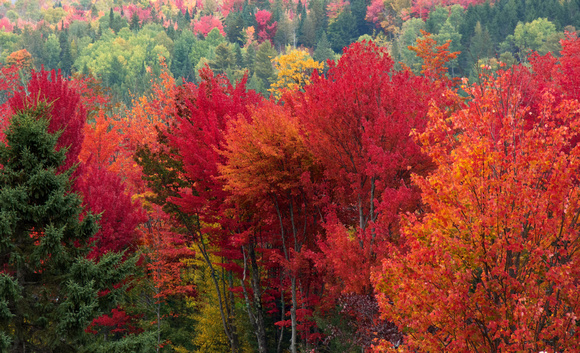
(289,176)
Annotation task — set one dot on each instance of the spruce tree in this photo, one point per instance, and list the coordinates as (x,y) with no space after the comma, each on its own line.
(66,59)
(134,26)
(323,52)
(263,65)
(48,290)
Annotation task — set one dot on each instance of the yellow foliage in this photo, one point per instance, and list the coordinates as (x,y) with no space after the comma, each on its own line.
(294,71)
(209,332)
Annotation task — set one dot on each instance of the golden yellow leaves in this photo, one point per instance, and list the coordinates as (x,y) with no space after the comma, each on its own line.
(294,71)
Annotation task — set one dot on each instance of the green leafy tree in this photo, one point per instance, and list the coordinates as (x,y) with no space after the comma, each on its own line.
(534,35)
(52,52)
(436,19)
(48,289)
(410,31)
(448,33)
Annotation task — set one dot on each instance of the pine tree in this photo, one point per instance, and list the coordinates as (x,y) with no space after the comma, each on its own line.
(48,290)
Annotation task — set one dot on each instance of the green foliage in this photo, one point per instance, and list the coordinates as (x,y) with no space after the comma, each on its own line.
(535,35)
(436,19)
(234,26)
(143,343)
(410,31)
(342,31)
(66,59)
(323,52)
(48,292)
(481,45)
(122,60)
(224,58)
(263,66)
(449,33)
(181,66)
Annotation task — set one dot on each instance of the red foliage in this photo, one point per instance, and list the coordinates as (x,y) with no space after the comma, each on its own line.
(9,84)
(144,14)
(5,24)
(104,193)
(358,122)
(119,323)
(94,96)
(66,112)
(199,134)
(567,73)
(266,30)
(166,251)
(206,24)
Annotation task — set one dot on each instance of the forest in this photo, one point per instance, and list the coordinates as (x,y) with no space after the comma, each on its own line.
(289,176)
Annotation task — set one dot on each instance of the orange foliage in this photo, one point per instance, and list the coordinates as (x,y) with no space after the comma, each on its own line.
(21,59)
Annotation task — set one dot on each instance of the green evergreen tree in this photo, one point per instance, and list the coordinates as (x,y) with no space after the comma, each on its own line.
(342,31)
(153,15)
(323,52)
(234,26)
(134,26)
(94,11)
(250,58)
(66,59)
(224,58)
(115,72)
(239,58)
(181,65)
(48,290)
(111,18)
(359,12)
(248,14)
(307,32)
(263,66)
(257,85)
(481,45)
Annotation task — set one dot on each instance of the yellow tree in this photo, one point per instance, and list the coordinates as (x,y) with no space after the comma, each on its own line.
(294,71)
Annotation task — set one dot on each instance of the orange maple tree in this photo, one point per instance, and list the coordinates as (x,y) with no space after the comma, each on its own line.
(494,266)
(270,172)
